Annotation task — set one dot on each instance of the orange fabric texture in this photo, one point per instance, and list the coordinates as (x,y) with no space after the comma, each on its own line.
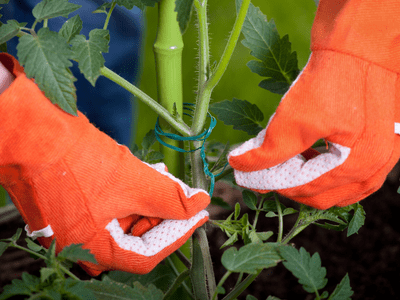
(348,94)
(61,171)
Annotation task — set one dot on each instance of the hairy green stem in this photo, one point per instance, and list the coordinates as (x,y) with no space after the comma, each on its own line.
(204,47)
(221,283)
(178,281)
(237,290)
(278,206)
(64,269)
(177,273)
(109,14)
(176,123)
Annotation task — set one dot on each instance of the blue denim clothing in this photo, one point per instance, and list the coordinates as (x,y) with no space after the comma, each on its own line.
(107,105)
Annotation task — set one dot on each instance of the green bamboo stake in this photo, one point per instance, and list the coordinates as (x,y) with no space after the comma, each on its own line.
(168,49)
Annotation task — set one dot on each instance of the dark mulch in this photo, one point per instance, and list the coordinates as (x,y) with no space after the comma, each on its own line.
(371,258)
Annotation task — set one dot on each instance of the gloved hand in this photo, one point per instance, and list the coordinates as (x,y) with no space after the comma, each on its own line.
(348,94)
(74,183)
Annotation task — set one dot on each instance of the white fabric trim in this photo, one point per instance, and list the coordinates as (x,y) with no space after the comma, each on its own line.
(156,239)
(397,128)
(295,171)
(45,232)
(189,192)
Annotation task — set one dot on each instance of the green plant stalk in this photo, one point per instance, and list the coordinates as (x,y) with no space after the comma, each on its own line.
(175,123)
(278,206)
(65,270)
(109,14)
(221,283)
(237,290)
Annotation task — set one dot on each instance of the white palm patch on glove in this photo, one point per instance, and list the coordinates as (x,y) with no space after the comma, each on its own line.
(291,173)
(157,238)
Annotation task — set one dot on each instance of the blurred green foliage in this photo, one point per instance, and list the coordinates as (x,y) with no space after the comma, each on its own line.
(292,17)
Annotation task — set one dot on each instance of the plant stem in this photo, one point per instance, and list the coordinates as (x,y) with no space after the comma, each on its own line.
(178,281)
(177,124)
(237,290)
(221,283)
(109,15)
(204,57)
(278,206)
(64,269)
(168,49)
(177,273)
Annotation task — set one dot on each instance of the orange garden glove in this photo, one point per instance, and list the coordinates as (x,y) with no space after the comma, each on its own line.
(349,95)
(74,183)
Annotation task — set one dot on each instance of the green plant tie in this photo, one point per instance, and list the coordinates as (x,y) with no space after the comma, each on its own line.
(201,138)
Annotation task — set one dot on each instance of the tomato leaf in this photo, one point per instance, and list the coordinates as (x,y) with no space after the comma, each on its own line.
(71,28)
(250,258)
(276,61)
(75,252)
(305,267)
(343,290)
(48,9)
(9,30)
(184,12)
(46,57)
(242,114)
(89,52)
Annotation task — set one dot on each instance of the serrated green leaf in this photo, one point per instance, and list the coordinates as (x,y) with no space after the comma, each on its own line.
(161,277)
(289,211)
(343,290)
(149,140)
(222,160)
(270,205)
(232,239)
(111,290)
(154,156)
(242,114)
(357,221)
(71,28)
(77,290)
(89,52)
(306,268)
(102,8)
(184,12)
(276,61)
(45,273)
(129,4)
(17,287)
(250,258)
(16,236)
(221,203)
(265,235)
(75,252)
(250,199)
(237,210)
(273,298)
(46,57)
(250,297)
(33,246)
(47,9)
(9,30)
(3,247)
(254,238)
